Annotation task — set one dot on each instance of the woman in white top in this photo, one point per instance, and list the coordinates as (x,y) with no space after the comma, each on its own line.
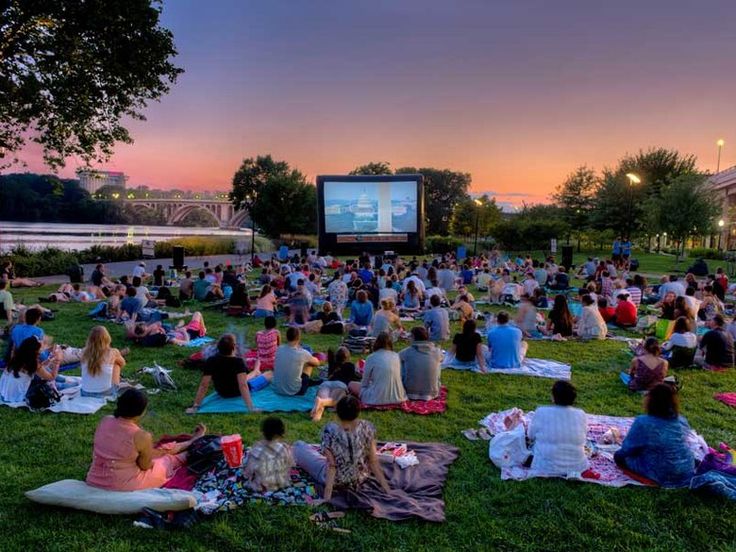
(101,364)
(381,383)
(23,367)
(559,434)
(681,345)
(591,324)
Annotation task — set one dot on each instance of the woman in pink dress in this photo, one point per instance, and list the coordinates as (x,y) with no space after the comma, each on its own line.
(124,458)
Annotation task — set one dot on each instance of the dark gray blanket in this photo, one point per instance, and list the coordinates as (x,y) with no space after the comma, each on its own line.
(415,491)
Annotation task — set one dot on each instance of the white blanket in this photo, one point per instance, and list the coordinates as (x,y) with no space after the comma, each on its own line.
(538,367)
(71,401)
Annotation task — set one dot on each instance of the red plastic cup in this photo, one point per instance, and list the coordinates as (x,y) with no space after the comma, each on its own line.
(232,449)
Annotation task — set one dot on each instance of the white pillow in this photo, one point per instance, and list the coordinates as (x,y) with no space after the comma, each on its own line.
(71,493)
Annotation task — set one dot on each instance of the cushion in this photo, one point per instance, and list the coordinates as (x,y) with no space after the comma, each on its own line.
(71,493)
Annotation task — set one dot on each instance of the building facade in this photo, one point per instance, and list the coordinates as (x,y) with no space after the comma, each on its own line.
(94,180)
(724,184)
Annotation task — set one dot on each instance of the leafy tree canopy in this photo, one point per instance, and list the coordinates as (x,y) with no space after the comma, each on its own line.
(373,168)
(467,214)
(70,71)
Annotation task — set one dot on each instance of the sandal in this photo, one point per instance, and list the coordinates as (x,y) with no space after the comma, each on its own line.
(470,434)
(484,434)
(327,520)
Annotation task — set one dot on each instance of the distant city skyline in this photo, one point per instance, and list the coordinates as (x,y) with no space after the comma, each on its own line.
(516,93)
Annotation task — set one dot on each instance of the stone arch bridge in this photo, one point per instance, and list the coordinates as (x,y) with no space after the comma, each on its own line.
(175,210)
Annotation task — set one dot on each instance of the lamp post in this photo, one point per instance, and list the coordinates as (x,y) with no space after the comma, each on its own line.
(721,224)
(478,205)
(633,179)
(720,143)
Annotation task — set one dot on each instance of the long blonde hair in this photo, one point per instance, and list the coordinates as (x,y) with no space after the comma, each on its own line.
(96,350)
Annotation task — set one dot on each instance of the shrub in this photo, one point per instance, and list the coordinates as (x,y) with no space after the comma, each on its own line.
(441,244)
(706,253)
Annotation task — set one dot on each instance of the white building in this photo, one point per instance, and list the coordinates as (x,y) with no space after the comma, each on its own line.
(724,184)
(92,181)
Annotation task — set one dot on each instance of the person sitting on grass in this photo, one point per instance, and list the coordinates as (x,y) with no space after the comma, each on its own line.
(206,290)
(7,303)
(606,311)
(101,365)
(647,369)
(124,458)
(437,320)
(467,349)
(656,445)
(463,308)
(591,324)
(716,351)
(299,304)
(340,373)
(421,367)
(268,464)
(385,319)
(266,303)
(361,310)
(561,280)
(506,344)
(559,434)
(186,287)
(29,327)
(526,316)
(26,365)
(681,345)
(7,274)
(559,319)
(381,383)
(229,375)
(626,313)
(411,297)
(293,366)
(348,452)
(267,341)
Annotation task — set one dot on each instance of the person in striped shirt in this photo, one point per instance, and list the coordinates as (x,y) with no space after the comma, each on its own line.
(634,292)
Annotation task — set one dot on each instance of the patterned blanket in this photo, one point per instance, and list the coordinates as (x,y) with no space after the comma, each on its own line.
(603,470)
(423,408)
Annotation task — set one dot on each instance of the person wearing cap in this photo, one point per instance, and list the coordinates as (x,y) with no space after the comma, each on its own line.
(626,314)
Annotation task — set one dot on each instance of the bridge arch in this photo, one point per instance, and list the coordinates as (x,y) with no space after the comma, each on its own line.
(182,211)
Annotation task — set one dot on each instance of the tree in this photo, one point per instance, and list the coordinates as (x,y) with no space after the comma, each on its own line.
(467,213)
(293,197)
(443,189)
(619,205)
(70,71)
(576,198)
(532,228)
(686,208)
(657,168)
(373,168)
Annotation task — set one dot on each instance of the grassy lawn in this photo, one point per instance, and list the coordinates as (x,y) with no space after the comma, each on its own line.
(483,513)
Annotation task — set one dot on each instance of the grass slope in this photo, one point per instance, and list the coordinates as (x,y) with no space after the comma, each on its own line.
(483,513)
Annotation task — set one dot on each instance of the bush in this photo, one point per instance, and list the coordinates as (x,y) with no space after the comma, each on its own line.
(705,253)
(441,244)
(41,263)
(294,241)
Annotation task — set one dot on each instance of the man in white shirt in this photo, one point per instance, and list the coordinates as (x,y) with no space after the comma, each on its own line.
(140,270)
(446,278)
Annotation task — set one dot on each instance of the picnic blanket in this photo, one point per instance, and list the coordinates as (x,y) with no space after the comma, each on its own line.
(71,401)
(726,398)
(603,470)
(423,408)
(266,399)
(538,367)
(198,342)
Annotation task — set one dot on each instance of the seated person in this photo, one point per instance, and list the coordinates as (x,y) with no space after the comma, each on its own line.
(655,446)
(6,303)
(464,308)
(27,327)
(206,290)
(124,458)
(559,319)
(591,324)
(506,344)
(526,316)
(7,274)
(267,341)
(381,383)
(606,311)
(716,346)
(361,310)
(331,321)
(340,373)
(467,349)
(647,369)
(421,367)
(240,298)
(667,304)
(559,434)
(385,319)
(268,464)
(25,366)
(436,320)
(266,303)
(299,304)
(186,287)
(411,297)
(681,345)
(561,281)
(229,375)
(100,364)
(540,298)
(626,312)
(293,365)
(347,455)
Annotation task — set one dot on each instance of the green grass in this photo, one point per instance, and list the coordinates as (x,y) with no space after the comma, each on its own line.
(483,513)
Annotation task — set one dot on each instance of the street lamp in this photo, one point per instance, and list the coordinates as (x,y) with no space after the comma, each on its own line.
(720,143)
(478,204)
(721,224)
(633,179)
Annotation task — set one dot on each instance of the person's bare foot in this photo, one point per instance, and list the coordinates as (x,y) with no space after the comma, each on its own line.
(124,351)
(199,431)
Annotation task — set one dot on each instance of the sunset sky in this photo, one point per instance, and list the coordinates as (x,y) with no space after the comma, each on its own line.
(516,92)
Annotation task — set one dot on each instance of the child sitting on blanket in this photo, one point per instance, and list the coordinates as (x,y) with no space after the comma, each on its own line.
(647,369)
(559,434)
(269,461)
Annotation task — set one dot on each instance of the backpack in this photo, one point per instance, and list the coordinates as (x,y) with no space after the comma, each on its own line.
(41,394)
(203,454)
(359,345)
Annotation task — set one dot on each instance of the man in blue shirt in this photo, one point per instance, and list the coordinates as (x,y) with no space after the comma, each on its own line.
(437,320)
(21,332)
(365,273)
(507,348)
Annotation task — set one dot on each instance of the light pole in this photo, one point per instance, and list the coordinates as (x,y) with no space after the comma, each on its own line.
(721,223)
(633,179)
(720,143)
(478,205)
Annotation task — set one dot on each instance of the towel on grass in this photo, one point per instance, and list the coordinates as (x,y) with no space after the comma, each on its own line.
(603,470)
(198,342)
(266,399)
(538,367)
(726,398)
(423,408)
(71,401)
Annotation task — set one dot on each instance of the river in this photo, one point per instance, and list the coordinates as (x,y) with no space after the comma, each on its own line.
(37,235)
